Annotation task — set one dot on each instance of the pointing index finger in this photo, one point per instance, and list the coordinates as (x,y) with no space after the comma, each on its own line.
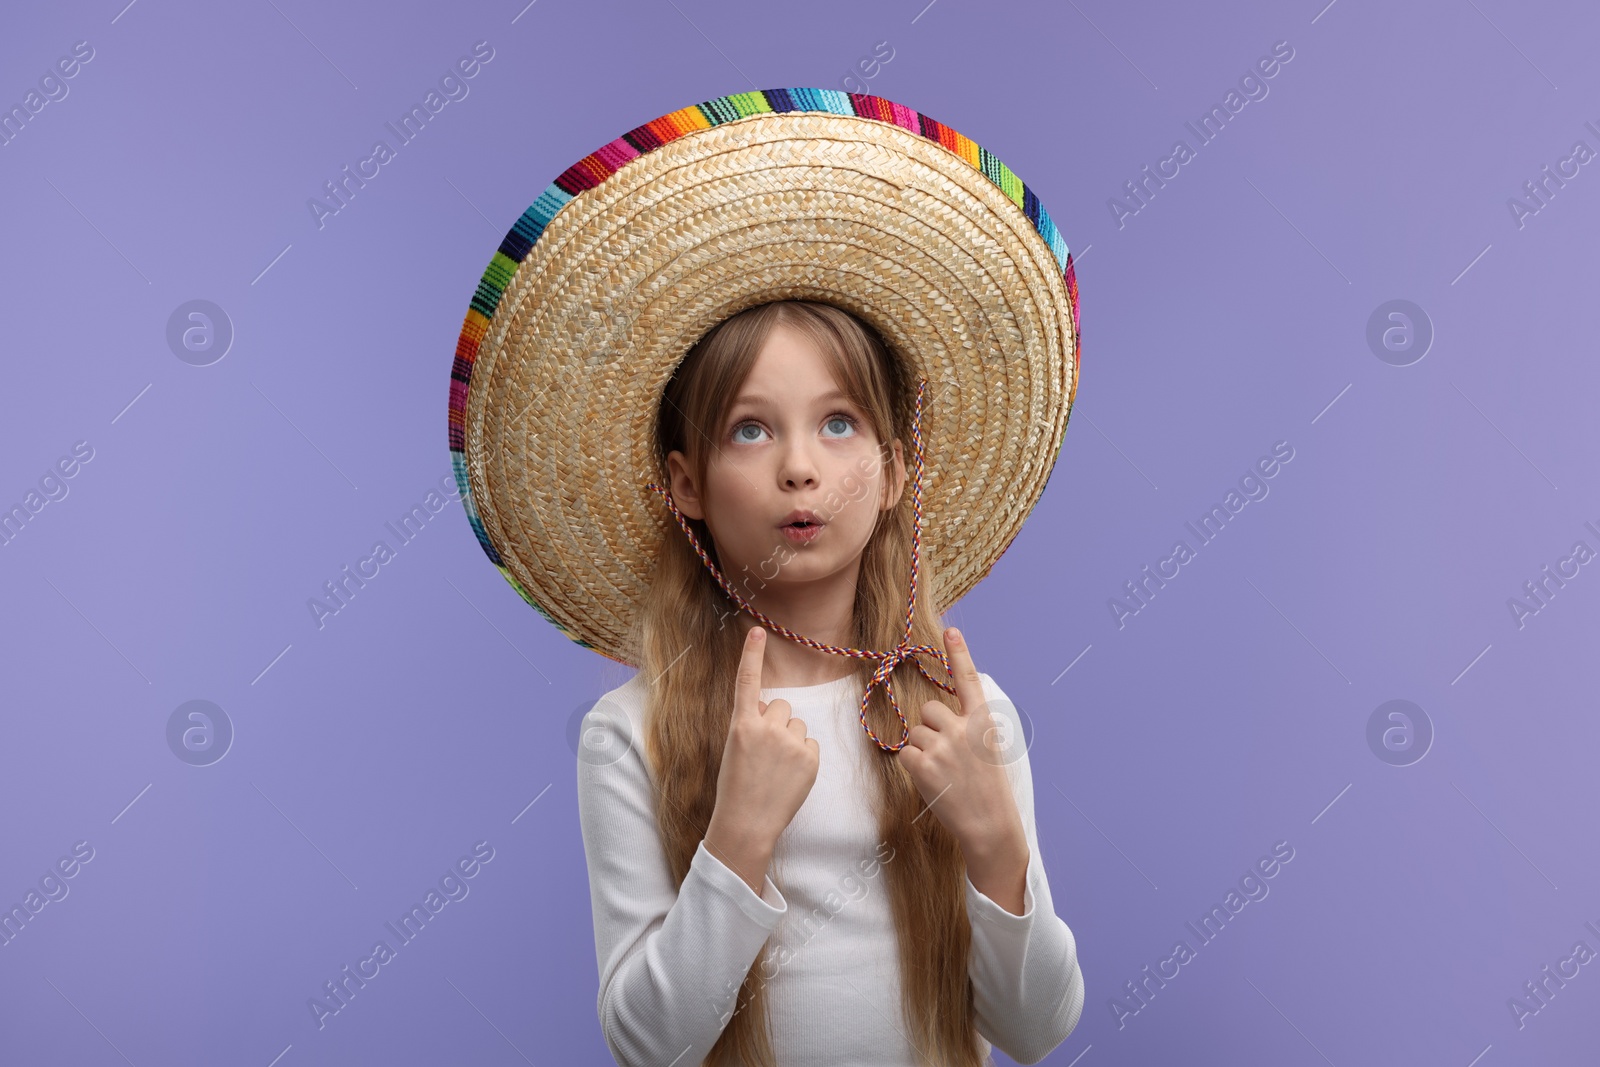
(969,687)
(747,681)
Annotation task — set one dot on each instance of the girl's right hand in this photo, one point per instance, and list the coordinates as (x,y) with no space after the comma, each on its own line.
(768,764)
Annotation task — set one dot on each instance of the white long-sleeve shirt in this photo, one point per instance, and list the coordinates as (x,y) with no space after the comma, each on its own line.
(671,960)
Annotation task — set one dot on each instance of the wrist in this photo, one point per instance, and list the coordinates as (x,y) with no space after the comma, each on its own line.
(737,835)
(742,850)
(998,868)
(994,850)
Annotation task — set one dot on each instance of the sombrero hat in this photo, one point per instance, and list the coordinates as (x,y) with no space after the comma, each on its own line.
(635,251)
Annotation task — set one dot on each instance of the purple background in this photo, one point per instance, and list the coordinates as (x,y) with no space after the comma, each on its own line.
(1228,314)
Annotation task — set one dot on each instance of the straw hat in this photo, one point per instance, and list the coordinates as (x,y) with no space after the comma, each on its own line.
(637,250)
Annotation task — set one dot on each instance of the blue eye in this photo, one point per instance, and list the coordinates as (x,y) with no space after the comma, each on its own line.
(842,417)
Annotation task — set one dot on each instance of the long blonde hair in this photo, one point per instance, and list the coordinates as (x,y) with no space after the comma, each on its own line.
(685,733)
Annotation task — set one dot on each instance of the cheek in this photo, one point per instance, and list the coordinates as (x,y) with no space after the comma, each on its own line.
(858,494)
(728,493)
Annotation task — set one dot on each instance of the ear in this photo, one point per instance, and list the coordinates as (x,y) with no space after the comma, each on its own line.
(684,492)
(895,483)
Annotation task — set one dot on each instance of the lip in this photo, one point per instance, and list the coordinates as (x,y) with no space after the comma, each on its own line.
(802,535)
(801,515)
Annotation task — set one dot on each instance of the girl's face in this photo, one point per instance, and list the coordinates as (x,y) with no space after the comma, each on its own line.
(791,442)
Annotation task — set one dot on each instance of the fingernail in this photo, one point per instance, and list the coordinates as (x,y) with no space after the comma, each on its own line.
(954,635)
(757,633)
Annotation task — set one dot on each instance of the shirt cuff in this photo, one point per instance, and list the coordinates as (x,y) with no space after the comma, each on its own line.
(982,908)
(766,909)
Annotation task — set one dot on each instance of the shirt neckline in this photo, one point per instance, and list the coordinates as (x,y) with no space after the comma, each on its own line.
(809,690)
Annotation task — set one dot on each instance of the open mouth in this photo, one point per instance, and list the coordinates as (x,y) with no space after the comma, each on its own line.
(802,531)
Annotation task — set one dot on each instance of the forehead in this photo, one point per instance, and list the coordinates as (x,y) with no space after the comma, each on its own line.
(789,369)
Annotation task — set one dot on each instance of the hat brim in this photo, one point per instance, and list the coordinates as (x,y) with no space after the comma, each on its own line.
(636,251)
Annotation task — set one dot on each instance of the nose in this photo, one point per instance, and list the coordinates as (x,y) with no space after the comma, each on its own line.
(798,470)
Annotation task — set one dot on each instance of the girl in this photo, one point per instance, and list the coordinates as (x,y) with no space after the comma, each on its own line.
(728,319)
(909,912)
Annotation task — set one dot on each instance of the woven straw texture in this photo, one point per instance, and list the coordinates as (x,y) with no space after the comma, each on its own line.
(640,248)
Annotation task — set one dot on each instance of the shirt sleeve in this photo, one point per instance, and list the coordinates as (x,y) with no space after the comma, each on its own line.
(671,960)
(1028,987)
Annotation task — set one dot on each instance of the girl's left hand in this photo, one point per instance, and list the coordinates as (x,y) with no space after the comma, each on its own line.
(958,763)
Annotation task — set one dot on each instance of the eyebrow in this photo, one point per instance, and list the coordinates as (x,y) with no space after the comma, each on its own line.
(752,398)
